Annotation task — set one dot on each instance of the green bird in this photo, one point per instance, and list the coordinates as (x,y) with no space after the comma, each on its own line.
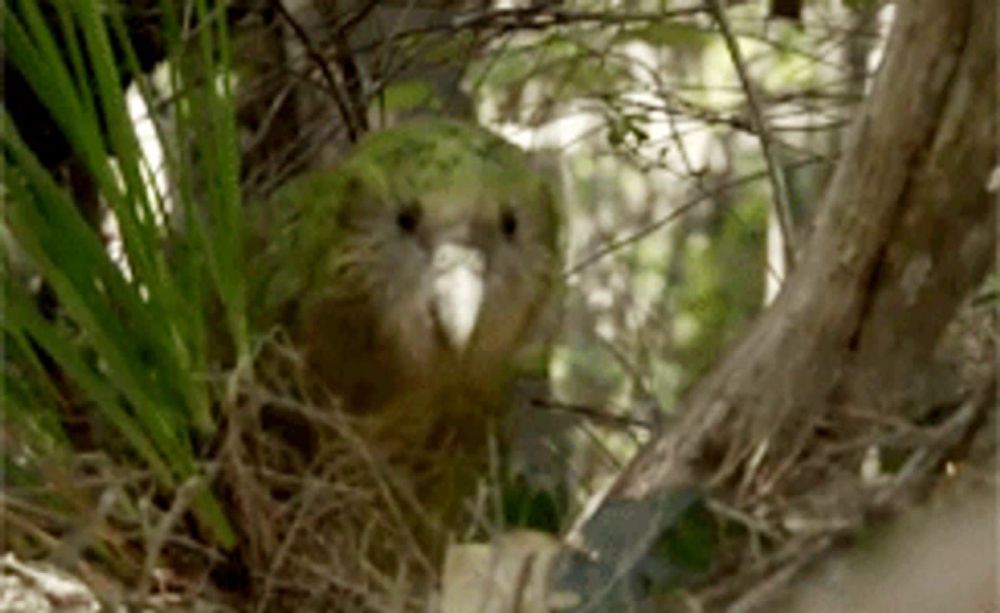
(419,278)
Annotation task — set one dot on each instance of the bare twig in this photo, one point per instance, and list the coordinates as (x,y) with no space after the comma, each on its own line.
(537,17)
(356,17)
(343,106)
(758,596)
(594,414)
(645,231)
(308,496)
(161,532)
(782,203)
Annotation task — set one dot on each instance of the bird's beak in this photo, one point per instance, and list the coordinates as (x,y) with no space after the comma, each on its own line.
(457,291)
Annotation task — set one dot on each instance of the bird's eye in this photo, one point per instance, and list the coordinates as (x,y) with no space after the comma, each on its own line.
(408,219)
(508,223)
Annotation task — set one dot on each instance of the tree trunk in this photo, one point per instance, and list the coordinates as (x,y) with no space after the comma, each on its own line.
(905,231)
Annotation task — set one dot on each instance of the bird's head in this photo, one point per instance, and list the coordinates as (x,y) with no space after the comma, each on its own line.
(450,237)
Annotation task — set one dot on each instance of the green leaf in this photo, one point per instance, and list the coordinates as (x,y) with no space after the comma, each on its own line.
(130,342)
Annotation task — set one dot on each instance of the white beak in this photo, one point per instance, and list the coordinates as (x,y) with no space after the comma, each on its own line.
(457,291)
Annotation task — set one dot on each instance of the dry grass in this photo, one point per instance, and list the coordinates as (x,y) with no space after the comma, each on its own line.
(332,520)
(334,516)
(328,518)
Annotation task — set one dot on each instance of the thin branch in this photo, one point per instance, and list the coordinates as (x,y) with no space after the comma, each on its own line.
(343,107)
(782,201)
(350,72)
(158,536)
(594,414)
(758,596)
(643,232)
(535,18)
(538,18)
(356,17)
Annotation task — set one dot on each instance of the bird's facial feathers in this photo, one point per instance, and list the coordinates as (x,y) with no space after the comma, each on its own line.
(449,238)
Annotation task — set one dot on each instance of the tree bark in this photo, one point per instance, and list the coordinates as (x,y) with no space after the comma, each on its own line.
(905,231)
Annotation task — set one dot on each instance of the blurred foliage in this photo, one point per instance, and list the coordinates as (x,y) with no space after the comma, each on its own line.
(688,546)
(409,95)
(725,284)
(648,114)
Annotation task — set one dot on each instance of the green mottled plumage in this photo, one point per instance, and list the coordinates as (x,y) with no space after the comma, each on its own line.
(351,273)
